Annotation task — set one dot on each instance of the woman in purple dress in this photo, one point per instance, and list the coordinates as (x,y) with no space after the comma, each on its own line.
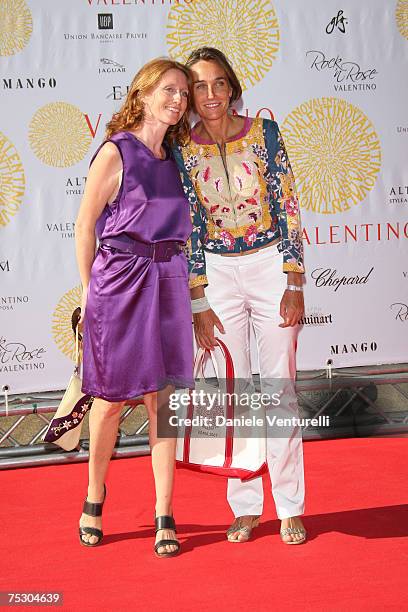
(137,321)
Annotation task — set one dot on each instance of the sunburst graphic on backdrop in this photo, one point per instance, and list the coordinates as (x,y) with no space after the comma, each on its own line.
(16,26)
(61,321)
(12,180)
(401,16)
(335,154)
(59,134)
(247,31)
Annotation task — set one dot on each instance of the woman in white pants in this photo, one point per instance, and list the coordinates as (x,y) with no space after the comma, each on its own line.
(246,264)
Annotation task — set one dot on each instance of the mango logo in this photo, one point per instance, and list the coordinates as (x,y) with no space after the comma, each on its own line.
(246,31)
(335,154)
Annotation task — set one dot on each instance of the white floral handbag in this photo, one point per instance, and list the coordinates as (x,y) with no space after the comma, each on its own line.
(65,427)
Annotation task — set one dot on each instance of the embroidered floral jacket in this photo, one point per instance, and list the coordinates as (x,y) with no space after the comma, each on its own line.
(248,203)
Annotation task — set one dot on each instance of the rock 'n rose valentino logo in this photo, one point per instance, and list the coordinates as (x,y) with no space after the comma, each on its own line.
(61,321)
(59,134)
(12,181)
(401,17)
(335,153)
(247,32)
(16,26)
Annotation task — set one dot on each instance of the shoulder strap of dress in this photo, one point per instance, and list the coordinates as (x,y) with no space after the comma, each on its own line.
(116,142)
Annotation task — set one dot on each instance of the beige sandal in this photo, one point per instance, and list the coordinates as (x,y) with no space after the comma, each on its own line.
(293,530)
(242,530)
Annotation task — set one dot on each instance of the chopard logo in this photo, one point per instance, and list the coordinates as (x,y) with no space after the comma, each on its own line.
(339,22)
(348,75)
(400,310)
(327,277)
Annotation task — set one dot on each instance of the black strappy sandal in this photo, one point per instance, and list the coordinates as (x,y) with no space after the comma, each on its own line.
(165,522)
(92,509)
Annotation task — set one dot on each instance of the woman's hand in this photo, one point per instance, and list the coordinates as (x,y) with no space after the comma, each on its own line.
(204,323)
(291,308)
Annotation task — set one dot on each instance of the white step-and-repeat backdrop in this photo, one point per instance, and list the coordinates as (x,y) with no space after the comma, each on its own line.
(333,74)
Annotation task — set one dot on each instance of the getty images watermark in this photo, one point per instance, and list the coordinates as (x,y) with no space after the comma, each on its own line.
(251,414)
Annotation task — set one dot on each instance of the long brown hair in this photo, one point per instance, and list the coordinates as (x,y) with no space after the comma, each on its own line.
(131,114)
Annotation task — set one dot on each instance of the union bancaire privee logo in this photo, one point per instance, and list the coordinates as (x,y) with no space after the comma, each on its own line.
(61,321)
(16,26)
(247,31)
(59,134)
(335,154)
(401,16)
(12,180)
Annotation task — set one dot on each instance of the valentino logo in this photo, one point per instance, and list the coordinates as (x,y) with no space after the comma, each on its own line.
(4,266)
(399,194)
(339,22)
(248,32)
(64,230)
(344,349)
(30,83)
(327,277)
(10,301)
(400,310)
(348,75)
(110,67)
(105,21)
(16,356)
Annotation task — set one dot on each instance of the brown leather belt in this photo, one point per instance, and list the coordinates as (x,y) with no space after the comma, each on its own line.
(156,251)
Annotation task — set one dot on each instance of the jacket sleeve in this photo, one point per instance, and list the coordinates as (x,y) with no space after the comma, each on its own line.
(285,200)
(195,251)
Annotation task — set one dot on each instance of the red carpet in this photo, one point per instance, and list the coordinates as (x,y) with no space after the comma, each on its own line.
(356,557)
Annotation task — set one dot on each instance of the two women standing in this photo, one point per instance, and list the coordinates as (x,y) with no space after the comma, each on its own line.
(137,321)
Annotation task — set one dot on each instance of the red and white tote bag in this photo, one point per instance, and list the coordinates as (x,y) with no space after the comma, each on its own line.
(208,439)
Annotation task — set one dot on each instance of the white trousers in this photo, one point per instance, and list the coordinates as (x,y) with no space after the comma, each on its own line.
(240,290)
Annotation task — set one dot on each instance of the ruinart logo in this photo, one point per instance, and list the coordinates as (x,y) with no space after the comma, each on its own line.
(357,347)
(61,321)
(401,17)
(59,134)
(335,154)
(16,26)
(247,32)
(12,181)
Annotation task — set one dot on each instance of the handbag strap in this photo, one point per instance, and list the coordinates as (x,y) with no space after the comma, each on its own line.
(77,351)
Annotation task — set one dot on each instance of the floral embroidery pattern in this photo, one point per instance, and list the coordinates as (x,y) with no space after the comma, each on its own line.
(253,204)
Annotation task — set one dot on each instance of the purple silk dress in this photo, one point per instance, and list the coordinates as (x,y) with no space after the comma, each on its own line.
(138,323)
